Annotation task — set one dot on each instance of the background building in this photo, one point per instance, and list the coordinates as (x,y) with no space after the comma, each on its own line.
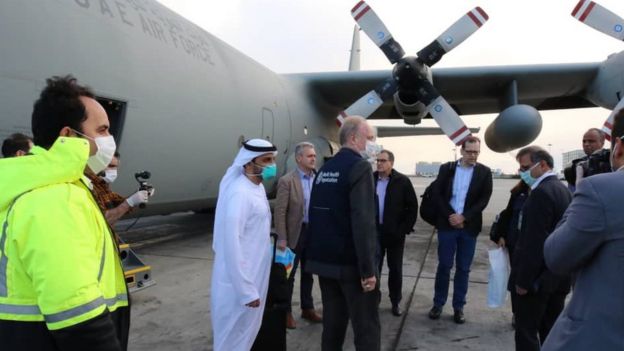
(427,169)
(568,157)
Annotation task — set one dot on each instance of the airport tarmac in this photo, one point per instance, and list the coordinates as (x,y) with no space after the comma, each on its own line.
(174,314)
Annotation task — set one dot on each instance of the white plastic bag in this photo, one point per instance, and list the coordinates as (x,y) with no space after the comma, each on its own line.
(497,279)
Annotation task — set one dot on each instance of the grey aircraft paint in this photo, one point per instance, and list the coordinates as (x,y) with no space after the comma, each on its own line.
(187,98)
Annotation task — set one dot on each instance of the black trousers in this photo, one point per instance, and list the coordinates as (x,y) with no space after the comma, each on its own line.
(344,300)
(307,281)
(395,267)
(535,315)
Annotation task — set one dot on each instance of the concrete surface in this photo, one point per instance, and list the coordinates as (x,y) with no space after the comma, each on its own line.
(174,314)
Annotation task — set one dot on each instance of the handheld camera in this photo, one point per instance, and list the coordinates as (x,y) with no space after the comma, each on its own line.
(141,178)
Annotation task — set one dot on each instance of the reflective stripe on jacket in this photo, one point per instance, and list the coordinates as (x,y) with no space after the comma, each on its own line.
(58,262)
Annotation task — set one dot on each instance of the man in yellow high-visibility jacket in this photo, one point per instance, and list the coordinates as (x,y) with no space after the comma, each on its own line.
(61,281)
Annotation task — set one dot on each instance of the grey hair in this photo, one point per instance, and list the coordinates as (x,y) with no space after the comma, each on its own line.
(302,146)
(349,127)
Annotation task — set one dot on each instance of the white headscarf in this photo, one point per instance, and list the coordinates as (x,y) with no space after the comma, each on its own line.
(250,150)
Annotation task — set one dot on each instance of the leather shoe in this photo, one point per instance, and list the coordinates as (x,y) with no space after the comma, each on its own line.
(290,321)
(396,310)
(311,315)
(458,316)
(435,312)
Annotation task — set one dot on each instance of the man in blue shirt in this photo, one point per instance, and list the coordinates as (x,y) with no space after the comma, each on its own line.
(397,210)
(291,223)
(461,194)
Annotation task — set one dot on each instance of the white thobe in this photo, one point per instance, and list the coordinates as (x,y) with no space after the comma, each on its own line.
(242,265)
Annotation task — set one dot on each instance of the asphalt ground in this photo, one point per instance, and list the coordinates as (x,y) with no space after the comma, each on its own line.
(174,314)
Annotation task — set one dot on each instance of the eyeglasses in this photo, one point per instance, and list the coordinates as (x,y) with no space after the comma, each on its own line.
(526,168)
(379,160)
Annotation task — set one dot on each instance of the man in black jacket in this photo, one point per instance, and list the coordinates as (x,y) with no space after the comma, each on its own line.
(342,240)
(540,293)
(461,194)
(397,208)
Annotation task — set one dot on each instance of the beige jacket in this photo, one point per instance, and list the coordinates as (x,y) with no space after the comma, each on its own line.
(289,205)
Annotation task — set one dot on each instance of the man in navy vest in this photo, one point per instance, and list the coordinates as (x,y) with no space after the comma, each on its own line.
(342,243)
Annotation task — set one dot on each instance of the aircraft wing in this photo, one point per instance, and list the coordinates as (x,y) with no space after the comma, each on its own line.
(400,131)
(470,90)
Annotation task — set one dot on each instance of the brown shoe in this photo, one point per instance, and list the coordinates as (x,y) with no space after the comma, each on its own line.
(311,315)
(290,321)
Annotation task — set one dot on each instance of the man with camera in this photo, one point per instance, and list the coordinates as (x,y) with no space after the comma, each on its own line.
(113,205)
(596,159)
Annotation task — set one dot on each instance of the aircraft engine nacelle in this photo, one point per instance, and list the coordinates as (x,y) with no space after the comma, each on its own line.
(515,127)
(412,113)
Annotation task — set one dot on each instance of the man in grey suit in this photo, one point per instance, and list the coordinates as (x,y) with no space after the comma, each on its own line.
(589,244)
(291,222)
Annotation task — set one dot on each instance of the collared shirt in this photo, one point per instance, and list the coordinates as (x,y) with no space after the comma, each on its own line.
(306,185)
(382,185)
(461,183)
(544,176)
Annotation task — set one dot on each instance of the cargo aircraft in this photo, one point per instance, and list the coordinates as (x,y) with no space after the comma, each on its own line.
(181,101)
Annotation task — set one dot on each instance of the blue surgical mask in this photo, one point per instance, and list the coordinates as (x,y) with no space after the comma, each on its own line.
(527,177)
(269,172)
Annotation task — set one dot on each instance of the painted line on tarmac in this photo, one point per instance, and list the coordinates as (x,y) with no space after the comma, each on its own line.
(399,333)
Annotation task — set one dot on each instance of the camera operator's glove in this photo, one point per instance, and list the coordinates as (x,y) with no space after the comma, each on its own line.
(140,197)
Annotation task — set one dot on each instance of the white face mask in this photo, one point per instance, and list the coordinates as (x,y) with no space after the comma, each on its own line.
(105,151)
(371,151)
(110,175)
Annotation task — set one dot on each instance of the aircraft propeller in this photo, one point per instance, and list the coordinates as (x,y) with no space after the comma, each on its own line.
(599,18)
(411,77)
(607,22)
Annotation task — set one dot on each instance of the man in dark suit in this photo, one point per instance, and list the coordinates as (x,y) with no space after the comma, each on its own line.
(588,243)
(540,293)
(461,194)
(397,208)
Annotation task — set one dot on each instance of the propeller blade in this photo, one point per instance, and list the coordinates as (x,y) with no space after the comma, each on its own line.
(599,18)
(369,103)
(442,112)
(453,36)
(372,25)
(607,127)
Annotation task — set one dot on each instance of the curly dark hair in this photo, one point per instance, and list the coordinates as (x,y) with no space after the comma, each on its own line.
(58,106)
(14,143)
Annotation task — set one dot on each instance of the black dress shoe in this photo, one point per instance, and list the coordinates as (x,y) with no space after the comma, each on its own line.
(396,310)
(458,317)
(435,312)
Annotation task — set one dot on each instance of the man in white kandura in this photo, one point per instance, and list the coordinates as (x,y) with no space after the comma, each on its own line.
(242,247)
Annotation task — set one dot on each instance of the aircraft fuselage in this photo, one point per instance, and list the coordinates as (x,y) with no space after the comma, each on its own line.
(187,99)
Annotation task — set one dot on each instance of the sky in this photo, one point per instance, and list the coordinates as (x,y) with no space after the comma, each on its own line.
(290,36)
